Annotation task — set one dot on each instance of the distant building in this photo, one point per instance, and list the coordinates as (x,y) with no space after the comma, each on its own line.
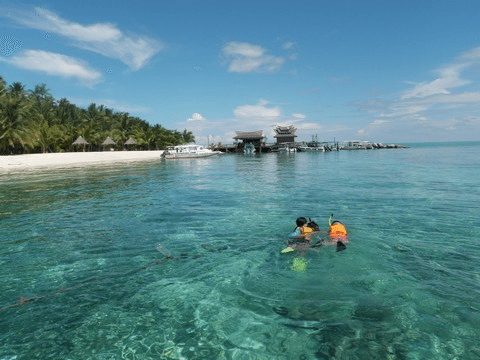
(285,134)
(249,137)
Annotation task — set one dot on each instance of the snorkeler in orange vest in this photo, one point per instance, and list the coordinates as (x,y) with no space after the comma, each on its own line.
(337,233)
(305,230)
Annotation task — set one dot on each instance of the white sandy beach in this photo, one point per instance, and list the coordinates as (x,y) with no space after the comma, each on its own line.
(73,159)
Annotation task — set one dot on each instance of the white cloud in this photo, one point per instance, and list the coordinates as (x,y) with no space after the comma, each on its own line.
(337,128)
(245,57)
(288,45)
(402,109)
(379,122)
(449,78)
(103,38)
(243,49)
(461,98)
(196,117)
(260,111)
(308,126)
(433,110)
(54,64)
(471,55)
(299,116)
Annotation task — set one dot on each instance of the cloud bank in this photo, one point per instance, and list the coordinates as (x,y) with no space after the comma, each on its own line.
(103,38)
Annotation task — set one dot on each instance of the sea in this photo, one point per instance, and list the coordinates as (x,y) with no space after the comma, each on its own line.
(182,259)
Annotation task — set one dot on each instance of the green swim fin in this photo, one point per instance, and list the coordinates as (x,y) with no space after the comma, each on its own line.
(287,250)
(299,264)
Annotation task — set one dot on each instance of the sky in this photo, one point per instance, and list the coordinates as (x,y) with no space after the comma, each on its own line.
(382,71)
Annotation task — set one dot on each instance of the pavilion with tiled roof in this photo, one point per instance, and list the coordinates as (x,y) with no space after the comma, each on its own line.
(249,137)
(285,134)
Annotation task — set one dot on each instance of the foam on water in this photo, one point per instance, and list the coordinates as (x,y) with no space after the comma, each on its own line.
(181,259)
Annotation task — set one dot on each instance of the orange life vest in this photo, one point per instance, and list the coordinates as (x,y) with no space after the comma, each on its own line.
(338,230)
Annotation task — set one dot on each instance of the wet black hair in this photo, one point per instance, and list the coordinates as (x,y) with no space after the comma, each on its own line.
(301,221)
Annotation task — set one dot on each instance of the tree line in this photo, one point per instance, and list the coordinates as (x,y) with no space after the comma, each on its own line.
(32,121)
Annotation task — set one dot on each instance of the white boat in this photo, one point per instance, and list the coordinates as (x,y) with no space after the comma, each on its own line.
(287,149)
(311,148)
(188,152)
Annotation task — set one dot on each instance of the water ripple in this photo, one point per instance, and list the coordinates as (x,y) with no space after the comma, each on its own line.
(182,259)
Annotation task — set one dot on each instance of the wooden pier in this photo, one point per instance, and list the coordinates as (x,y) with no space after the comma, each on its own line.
(285,141)
(300,146)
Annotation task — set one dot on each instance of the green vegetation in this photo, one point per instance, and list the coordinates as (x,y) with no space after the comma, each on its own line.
(33,121)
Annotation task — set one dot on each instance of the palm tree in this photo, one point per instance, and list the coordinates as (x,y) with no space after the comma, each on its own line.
(13,118)
(17,89)
(41,93)
(35,121)
(124,126)
(3,86)
(187,136)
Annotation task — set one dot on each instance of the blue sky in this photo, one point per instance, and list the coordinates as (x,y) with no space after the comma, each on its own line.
(383,71)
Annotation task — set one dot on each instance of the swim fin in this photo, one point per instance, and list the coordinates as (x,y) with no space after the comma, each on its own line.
(299,264)
(287,250)
(341,246)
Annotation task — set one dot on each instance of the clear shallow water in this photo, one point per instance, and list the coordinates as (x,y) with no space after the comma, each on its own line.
(83,271)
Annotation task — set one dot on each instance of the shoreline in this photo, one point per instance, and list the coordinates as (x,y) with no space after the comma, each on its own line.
(9,163)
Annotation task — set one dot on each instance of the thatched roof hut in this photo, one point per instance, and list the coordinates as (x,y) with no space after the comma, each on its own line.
(108,141)
(130,141)
(80,141)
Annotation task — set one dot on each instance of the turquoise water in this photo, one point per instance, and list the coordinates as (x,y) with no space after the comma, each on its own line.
(181,259)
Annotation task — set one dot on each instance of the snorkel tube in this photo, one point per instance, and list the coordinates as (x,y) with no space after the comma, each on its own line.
(330,220)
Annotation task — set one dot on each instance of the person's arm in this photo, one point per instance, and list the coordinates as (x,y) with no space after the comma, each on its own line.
(296,234)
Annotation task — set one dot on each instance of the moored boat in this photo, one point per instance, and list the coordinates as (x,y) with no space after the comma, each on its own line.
(188,152)
(310,148)
(284,149)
